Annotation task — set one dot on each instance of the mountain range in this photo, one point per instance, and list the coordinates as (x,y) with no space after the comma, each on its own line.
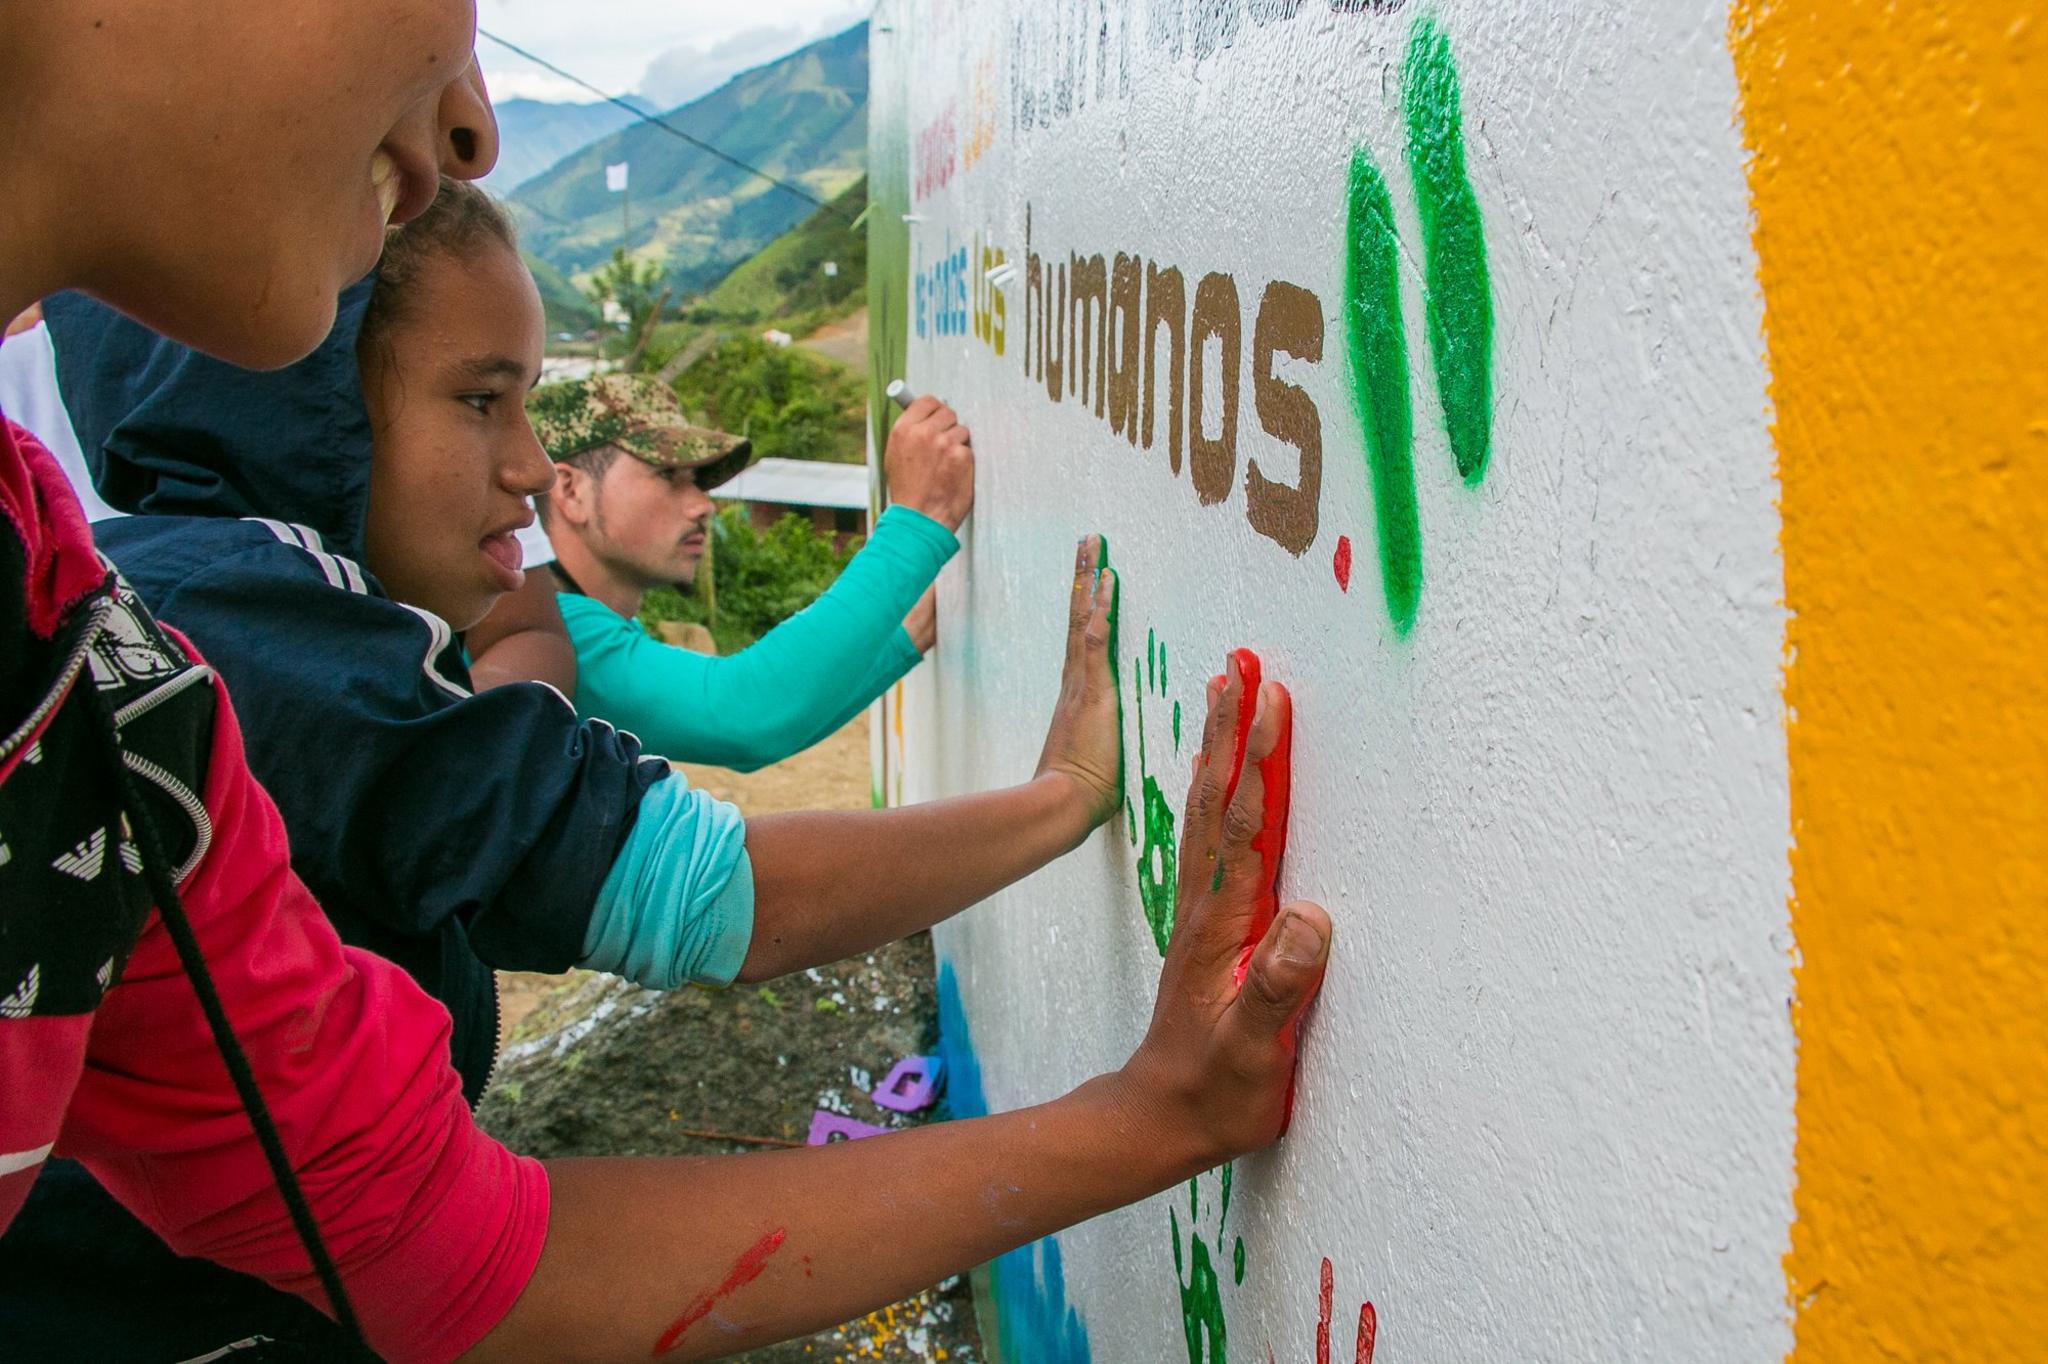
(534,134)
(802,119)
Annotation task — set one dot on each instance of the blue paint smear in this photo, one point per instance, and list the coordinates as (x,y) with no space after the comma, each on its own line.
(1035,1323)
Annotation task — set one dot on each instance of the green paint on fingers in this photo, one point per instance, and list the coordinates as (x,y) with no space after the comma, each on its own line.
(1379,379)
(1158,857)
(1458,302)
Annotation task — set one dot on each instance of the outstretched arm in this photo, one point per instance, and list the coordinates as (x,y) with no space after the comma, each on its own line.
(523,640)
(801,680)
(696,1259)
(828,884)
(821,667)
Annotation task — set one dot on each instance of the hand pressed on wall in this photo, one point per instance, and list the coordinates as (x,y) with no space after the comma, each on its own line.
(1085,740)
(929,463)
(784,1242)
(1217,1063)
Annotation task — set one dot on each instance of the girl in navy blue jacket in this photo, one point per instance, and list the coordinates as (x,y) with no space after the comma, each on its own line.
(456,832)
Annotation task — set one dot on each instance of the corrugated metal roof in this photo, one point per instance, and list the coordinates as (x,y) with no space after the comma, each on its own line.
(798,483)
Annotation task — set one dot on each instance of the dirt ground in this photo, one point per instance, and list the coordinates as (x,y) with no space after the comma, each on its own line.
(845,340)
(595,1066)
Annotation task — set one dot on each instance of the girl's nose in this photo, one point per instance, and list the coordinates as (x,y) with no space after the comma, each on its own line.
(532,473)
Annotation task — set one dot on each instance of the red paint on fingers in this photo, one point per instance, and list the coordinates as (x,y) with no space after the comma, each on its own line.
(1276,774)
(744,1271)
(1368,1334)
(1276,777)
(1247,706)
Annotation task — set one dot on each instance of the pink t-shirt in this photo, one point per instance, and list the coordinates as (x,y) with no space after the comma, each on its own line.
(434,1227)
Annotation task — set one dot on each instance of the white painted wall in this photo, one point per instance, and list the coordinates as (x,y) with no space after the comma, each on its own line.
(1546,1102)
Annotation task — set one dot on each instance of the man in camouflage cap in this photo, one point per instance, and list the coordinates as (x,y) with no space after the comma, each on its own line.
(631,507)
(629,512)
(638,414)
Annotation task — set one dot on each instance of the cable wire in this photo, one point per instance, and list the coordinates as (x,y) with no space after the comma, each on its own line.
(637,112)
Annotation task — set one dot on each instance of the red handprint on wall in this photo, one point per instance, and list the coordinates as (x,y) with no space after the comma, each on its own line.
(1326,1301)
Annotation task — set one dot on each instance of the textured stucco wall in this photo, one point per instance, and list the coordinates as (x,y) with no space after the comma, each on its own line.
(1501,504)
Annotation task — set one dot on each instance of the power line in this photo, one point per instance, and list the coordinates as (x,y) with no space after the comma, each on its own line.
(660,123)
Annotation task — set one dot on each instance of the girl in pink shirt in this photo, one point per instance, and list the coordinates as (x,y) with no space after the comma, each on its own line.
(176,1013)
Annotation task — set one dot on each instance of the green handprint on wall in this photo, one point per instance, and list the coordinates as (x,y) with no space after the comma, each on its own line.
(1201,1288)
(1196,1264)
(1158,856)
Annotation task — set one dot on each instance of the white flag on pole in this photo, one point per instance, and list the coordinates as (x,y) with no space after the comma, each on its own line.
(615,177)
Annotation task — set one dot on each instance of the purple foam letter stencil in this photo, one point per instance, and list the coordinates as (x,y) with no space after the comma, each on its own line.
(827,1128)
(912,1085)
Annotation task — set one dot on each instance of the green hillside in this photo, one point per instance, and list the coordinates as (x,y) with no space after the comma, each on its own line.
(567,308)
(787,277)
(802,119)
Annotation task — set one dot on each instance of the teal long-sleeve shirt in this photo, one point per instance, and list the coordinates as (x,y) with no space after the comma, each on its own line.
(792,687)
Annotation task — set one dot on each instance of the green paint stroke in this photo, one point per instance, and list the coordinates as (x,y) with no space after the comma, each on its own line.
(1458,300)
(1158,858)
(1201,1299)
(1379,379)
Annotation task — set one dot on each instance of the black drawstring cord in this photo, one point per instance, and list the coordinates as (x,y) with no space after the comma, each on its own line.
(171,909)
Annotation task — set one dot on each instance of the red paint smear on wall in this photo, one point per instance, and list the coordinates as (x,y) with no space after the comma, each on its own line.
(1342,563)
(745,1270)
(1368,1322)
(1324,1302)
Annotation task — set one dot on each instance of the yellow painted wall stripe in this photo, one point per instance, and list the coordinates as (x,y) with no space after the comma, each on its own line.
(1899,177)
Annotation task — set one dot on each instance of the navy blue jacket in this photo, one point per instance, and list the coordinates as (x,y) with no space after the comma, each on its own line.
(449,832)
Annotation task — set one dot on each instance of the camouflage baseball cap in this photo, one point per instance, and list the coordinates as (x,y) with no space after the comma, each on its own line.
(639,414)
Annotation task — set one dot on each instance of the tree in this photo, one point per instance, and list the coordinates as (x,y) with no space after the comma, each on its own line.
(634,285)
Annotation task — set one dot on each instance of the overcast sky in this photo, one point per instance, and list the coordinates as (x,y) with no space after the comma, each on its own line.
(669,50)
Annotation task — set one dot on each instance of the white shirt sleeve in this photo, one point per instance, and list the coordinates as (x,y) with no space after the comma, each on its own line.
(29,397)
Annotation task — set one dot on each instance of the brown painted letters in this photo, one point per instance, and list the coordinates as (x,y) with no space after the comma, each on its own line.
(1291,323)
(1212,463)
